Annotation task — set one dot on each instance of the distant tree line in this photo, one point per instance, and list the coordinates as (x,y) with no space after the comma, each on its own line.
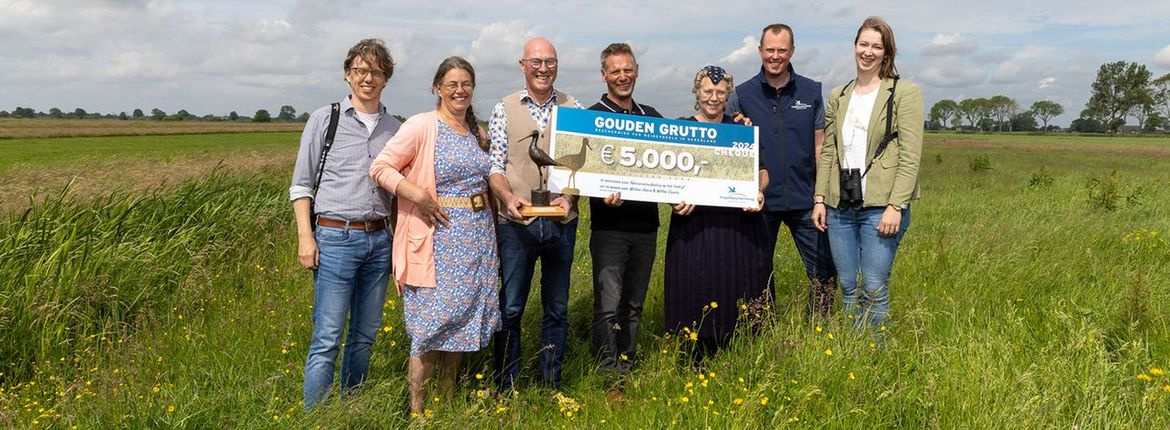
(1122,90)
(287,114)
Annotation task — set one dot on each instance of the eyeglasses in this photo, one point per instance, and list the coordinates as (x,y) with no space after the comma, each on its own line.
(709,93)
(362,72)
(536,62)
(452,86)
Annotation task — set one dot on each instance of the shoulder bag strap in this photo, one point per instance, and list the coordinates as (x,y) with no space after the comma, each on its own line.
(890,134)
(334,117)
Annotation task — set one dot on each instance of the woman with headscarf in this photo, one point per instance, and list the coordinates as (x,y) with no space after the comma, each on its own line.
(717,261)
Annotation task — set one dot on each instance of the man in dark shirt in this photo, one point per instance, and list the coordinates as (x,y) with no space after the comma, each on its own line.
(348,249)
(624,233)
(789,110)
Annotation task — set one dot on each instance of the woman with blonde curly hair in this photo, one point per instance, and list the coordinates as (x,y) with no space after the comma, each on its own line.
(716,257)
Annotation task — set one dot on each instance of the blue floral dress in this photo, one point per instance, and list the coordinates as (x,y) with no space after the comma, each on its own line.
(462,311)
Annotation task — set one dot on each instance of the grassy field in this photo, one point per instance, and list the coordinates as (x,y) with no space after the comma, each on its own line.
(40,168)
(1029,293)
(45,127)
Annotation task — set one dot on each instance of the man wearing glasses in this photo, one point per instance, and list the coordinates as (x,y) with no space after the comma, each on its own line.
(341,217)
(524,240)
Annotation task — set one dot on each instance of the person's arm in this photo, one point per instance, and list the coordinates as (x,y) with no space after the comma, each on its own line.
(399,152)
(763,185)
(498,153)
(910,116)
(301,190)
(819,133)
(819,139)
(826,156)
(307,252)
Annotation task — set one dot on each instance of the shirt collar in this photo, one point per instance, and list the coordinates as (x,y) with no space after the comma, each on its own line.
(766,85)
(347,105)
(636,108)
(552,100)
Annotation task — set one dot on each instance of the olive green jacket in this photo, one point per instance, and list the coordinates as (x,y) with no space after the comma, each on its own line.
(893,179)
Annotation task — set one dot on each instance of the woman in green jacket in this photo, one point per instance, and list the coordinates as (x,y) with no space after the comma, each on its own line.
(868,173)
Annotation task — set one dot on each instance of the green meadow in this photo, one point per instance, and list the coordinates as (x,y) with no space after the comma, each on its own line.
(1029,292)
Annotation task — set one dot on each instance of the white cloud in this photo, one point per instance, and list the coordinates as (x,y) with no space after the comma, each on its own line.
(748,51)
(950,75)
(138,65)
(220,55)
(500,43)
(949,44)
(1162,58)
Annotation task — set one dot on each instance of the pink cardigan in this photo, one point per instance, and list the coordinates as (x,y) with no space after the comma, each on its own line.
(410,156)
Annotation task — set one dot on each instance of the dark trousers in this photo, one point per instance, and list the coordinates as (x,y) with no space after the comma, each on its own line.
(520,246)
(813,247)
(622,262)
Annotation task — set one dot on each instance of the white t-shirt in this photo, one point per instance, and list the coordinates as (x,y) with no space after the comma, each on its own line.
(855,132)
(370,120)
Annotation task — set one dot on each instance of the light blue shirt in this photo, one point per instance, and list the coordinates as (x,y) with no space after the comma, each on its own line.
(346,192)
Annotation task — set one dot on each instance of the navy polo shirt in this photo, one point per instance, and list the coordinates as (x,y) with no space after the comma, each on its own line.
(787,118)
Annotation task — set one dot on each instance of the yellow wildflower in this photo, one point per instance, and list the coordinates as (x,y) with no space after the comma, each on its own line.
(818,329)
(170,408)
(478,376)
(684,399)
(830,335)
(694,336)
(1156,371)
(829,352)
(764,401)
(714,305)
(851,377)
(1144,377)
(1166,388)
(738,402)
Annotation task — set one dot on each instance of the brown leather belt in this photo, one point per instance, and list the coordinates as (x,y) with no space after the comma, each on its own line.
(373,225)
(476,203)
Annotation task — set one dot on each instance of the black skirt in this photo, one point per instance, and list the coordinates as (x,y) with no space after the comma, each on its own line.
(715,255)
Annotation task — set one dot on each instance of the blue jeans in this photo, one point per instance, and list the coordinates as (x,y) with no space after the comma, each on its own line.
(859,250)
(815,250)
(351,278)
(520,246)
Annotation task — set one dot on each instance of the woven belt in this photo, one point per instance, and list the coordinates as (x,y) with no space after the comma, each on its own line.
(476,203)
(373,225)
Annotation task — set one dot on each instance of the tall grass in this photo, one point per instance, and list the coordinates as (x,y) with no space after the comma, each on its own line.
(1016,303)
(80,277)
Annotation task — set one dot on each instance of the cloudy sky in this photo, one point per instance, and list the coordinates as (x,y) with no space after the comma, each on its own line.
(216,56)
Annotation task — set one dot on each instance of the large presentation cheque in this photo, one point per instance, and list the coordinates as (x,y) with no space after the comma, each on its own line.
(653,159)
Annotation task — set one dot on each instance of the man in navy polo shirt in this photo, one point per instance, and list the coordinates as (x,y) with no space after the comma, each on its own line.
(789,110)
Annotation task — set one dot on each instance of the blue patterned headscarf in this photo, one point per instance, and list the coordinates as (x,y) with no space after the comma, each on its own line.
(715,73)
